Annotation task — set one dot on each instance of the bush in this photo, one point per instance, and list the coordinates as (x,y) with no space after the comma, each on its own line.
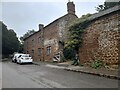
(96,64)
(69,53)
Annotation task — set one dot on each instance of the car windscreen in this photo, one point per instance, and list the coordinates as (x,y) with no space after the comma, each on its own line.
(19,56)
(25,55)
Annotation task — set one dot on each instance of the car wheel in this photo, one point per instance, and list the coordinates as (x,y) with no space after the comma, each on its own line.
(20,63)
(17,62)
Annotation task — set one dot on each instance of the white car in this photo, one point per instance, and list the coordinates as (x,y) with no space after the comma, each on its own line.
(15,57)
(24,58)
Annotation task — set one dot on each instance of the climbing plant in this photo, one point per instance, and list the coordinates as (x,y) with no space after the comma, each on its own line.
(76,30)
(69,53)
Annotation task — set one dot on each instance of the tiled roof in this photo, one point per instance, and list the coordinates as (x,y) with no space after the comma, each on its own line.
(102,13)
(49,24)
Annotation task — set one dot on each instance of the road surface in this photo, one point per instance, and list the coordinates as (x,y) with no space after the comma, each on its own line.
(49,76)
(0,75)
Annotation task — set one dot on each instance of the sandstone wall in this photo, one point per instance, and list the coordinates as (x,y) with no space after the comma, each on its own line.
(101,40)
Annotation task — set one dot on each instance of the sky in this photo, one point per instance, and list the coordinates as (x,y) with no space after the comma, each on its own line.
(22,16)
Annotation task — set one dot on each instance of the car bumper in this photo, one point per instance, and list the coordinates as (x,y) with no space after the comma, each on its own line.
(25,61)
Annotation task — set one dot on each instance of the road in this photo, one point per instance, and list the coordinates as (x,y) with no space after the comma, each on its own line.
(0,75)
(49,76)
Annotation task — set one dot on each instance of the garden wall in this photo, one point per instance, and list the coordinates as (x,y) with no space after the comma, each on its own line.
(101,38)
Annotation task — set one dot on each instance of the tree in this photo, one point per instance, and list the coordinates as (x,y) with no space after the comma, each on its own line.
(0,39)
(10,42)
(27,34)
(21,48)
(107,4)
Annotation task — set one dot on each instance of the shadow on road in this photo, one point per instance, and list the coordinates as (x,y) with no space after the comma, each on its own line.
(25,63)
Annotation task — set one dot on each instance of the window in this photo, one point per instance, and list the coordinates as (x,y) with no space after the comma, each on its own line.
(48,51)
(19,56)
(27,52)
(27,45)
(33,42)
(39,51)
(32,52)
(39,39)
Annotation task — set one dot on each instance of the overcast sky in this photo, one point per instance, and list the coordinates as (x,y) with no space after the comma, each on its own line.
(24,16)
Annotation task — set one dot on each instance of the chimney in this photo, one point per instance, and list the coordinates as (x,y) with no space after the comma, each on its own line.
(41,26)
(71,7)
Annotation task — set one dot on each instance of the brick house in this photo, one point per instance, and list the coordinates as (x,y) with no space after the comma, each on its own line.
(44,44)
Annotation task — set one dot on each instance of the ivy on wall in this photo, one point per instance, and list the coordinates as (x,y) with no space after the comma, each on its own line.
(76,30)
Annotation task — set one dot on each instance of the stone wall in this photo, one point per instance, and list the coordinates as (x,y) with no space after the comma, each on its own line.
(50,39)
(101,40)
(55,32)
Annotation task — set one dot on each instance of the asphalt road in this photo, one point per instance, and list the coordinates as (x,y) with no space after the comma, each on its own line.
(49,76)
(0,75)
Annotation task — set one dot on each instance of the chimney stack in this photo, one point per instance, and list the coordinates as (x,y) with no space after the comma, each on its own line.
(70,7)
(41,26)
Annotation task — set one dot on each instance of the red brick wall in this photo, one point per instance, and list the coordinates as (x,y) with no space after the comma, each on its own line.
(50,35)
(30,45)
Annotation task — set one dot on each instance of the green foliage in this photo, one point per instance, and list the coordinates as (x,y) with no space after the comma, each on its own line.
(21,48)
(75,62)
(96,64)
(76,30)
(63,58)
(69,53)
(107,4)
(0,38)
(10,42)
(82,20)
(27,34)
